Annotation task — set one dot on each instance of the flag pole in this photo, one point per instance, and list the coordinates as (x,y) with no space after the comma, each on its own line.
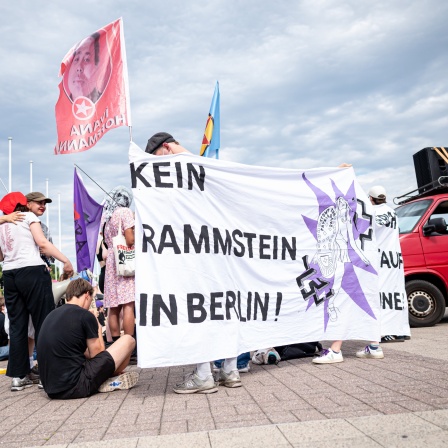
(10,163)
(4,186)
(31,175)
(59,225)
(47,216)
(96,183)
(130,133)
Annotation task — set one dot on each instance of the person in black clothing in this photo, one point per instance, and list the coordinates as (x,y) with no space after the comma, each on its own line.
(73,362)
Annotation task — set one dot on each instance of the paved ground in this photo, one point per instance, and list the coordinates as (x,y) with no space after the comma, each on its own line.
(399,401)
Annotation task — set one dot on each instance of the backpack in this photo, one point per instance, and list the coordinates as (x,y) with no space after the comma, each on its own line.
(300,350)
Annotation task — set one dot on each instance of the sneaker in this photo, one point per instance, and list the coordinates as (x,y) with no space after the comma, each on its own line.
(231,379)
(20,383)
(121,382)
(34,375)
(266,356)
(367,352)
(390,338)
(192,384)
(328,357)
(40,385)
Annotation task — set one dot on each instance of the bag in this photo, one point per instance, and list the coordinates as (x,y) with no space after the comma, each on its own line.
(300,350)
(124,255)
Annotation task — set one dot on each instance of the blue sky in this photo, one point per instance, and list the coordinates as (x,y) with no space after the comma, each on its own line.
(303,84)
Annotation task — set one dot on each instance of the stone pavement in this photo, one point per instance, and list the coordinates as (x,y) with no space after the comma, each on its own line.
(399,401)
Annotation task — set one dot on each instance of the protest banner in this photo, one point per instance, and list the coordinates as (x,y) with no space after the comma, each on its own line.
(231,258)
(392,292)
(94,91)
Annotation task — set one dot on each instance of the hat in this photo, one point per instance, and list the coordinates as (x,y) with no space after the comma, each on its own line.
(37,197)
(377,192)
(99,303)
(10,201)
(158,140)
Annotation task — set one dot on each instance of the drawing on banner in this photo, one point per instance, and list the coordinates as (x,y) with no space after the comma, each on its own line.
(88,71)
(340,232)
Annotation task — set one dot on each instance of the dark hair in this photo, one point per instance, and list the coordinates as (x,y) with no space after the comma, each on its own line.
(21,208)
(378,201)
(96,47)
(77,288)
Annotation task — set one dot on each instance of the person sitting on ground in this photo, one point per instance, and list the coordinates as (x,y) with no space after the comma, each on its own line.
(73,362)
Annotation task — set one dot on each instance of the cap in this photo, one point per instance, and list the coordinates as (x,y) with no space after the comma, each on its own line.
(158,140)
(37,196)
(377,192)
(99,303)
(10,201)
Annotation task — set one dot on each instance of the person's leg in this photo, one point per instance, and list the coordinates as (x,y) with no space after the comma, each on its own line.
(121,351)
(35,287)
(243,360)
(18,364)
(200,381)
(372,350)
(114,321)
(128,318)
(4,352)
(228,375)
(331,355)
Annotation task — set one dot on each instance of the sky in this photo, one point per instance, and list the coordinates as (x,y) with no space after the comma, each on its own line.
(303,84)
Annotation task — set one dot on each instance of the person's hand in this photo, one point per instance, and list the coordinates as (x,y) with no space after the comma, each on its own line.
(345,165)
(14,217)
(68,269)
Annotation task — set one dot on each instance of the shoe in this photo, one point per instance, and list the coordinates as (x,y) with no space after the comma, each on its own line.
(40,385)
(328,357)
(390,338)
(20,383)
(34,375)
(367,352)
(121,382)
(192,384)
(231,379)
(266,356)
(400,338)
(407,338)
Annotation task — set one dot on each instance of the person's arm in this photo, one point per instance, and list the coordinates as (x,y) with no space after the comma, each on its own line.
(95,345)
(12,217)
(129,236)
(48,248)
(1,255)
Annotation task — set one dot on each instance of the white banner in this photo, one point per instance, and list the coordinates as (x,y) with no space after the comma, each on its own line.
(392,292)
(232,258)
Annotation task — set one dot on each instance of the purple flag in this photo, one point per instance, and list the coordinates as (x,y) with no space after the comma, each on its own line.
(87,225)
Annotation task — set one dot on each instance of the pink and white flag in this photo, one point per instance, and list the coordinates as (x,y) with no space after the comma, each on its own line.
(94,91)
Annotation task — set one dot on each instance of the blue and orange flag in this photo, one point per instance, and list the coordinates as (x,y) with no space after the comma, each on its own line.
(212,134)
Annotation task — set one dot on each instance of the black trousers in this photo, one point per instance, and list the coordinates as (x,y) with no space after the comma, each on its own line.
(27,292)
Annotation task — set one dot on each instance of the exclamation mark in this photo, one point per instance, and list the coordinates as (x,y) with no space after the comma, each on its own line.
(279,304)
